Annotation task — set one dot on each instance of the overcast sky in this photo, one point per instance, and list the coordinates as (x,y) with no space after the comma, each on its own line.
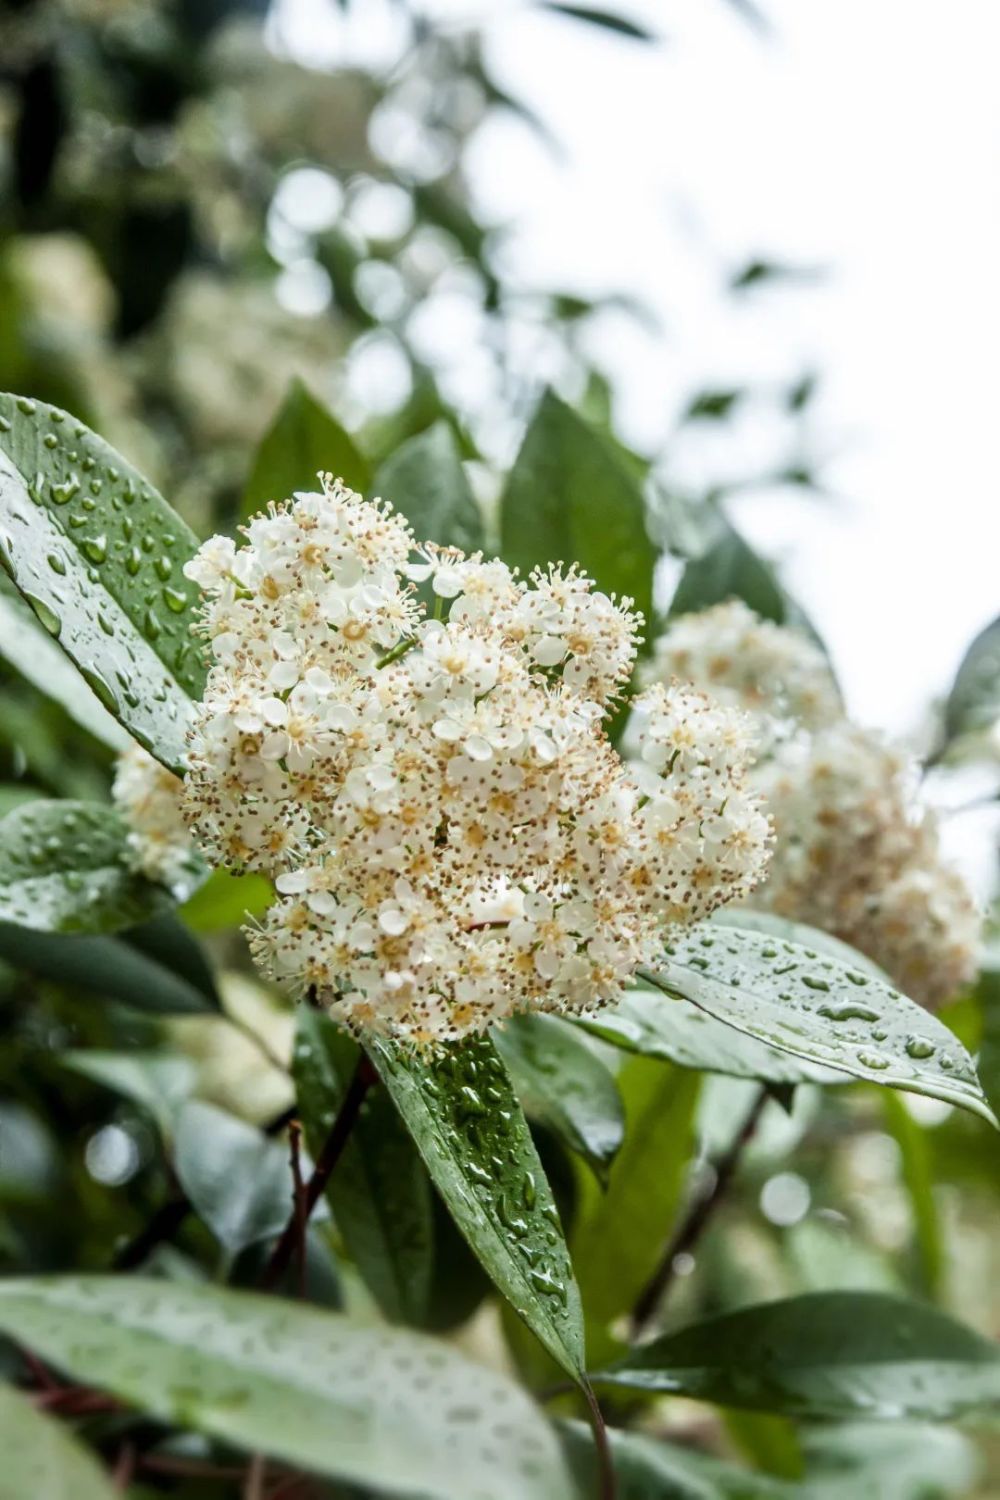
(862,138)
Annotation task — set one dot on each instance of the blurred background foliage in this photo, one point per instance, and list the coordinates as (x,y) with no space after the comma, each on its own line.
(191,222)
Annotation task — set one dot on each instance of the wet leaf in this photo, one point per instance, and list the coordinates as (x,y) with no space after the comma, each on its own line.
(425,480)
(463,1115)
(64,868)
(379,1194)
(99,556)
(237,1178)
(304,440)
(804,1001)
(32,652)
(381,1407)
(41,1457)
(563,1085)
(825,1354)
(570,498)
(657,1025)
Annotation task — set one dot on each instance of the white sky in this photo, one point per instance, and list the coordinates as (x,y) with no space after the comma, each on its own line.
(861,137)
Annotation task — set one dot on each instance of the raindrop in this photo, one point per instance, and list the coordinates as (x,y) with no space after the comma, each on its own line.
(919,1047)
(28,407)
(175,601)
(63,493)
(45,613)
(95,548)
(848,1012)
(57,563)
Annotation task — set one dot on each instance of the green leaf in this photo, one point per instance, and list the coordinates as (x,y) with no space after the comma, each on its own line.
(825,1354)
(730,569)
(918,1179)
(803,1001)
(562,1084)
(657,1025)
(467,1125)
(647,1469)
(41,1458)
(379,1193)
(225,900)
(424,479)
(382,1407)
(167,942)
(569,498)
(304,440)
(620,1234)
(63,868)
(99,556)
(158,1081)
(888,1461)
(607,20)
(109,967)
(974,701)
(988,995)
(31,651)
(239,1181)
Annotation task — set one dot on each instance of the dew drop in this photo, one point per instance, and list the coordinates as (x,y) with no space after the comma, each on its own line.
(95,548)
(56,563)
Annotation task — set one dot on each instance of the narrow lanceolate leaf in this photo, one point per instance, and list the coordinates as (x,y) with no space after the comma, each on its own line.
(110,968)
(379,1194)
(63,868)
(99,556)
(647,1469)
(974,701)
(619,1234)
(608,20)
(31,651)
(372,1405)
(657,1025)
(304,440)
(569,498)
(467,1125)
(425,480)
(825,1354)
(42,1459)
(731,569)
(563,1085)
(803,1001)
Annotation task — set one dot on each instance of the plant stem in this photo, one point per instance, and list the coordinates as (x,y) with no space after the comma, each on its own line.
(607,1479)
(693,1225)
(364,1077)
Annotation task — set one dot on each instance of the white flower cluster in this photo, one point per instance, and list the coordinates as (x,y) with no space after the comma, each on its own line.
(856,857)
(776,674)
(147,796)
(854,853)
(451,835)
